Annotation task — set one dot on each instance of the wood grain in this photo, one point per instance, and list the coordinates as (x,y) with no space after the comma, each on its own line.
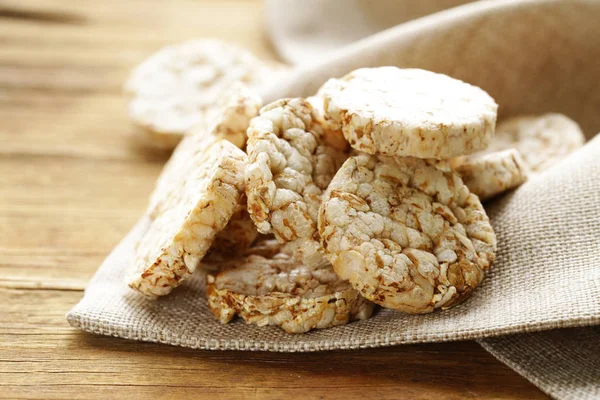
(74,177)
(54,361)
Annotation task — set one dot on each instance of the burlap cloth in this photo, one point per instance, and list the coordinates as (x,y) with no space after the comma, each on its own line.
(532,57)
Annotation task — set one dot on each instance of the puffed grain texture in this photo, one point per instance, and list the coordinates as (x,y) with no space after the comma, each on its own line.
(237,237)
(174,89)
(491,174)
(183,232)
(291,160)
(230,117)
(410,112)
(406,234)
(175,173)
(229,120)
(265,246)
(282,291)
(542,140)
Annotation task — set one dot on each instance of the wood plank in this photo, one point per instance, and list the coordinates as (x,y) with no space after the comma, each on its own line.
(86,132)
(149,24)
(47,268)
(55,361)
(91,391)
(43,60)
(74,183)
(60,217)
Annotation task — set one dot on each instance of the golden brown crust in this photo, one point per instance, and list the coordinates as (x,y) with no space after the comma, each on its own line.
(182,233)
(406,234)
(290,163)
(409,112)
(278,290)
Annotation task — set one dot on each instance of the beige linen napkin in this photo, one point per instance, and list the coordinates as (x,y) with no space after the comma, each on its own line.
(306,31)
(546,276)
(532,56)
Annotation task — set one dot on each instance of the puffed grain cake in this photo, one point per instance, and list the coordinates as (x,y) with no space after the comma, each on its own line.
(542,140)
(172,90)
(292,157)
(409,112)
(488,175)
(235,239)
(406,234)
(278,290)
(231,114)
(228,120)
(206,198)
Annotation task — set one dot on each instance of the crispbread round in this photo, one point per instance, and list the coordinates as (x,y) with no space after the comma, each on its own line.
(406,234)
(290,163)
(542,140)
(179,237)
(410,112)
(278,290)
(488,175)
(173,89)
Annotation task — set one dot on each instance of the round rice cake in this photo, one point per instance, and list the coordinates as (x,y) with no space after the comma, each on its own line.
(292,157)
(279,290)
(406,234)
(183,232)
(488,175)
(410,112)
(173,89)
(542,140)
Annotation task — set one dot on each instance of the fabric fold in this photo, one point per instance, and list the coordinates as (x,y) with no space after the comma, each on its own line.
(563,363)
(533,57)
(307,31)
(545,277)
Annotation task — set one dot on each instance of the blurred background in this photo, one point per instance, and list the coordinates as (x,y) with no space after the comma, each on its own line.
(73,179)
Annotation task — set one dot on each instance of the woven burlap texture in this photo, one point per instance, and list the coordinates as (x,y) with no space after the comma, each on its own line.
(565,363)
(545,277)
(533,57)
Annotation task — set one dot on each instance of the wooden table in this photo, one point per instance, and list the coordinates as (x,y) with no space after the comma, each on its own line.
(74,179)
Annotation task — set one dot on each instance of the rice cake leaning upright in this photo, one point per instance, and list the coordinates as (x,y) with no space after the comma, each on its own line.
(202,198)
(292,157)
(228,120)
